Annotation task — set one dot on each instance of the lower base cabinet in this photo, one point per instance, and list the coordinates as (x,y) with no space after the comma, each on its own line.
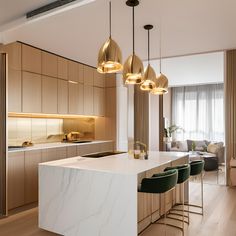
(23,169)
(16,179)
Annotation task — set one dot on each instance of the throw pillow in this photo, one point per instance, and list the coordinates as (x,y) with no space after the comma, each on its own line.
(214,147)
(182,146)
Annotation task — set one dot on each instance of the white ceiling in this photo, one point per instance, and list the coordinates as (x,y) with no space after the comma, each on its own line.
(188,26)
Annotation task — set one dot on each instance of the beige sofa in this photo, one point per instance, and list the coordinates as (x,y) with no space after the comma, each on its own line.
(216,148)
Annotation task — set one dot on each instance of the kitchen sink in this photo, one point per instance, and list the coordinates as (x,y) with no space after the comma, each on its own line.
(103,154)
(77,141)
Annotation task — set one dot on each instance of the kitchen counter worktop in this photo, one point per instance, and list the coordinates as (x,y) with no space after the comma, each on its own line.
(54,145)
(84,196)
(119,163)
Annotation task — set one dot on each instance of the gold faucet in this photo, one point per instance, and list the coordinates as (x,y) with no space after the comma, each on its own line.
(144,148)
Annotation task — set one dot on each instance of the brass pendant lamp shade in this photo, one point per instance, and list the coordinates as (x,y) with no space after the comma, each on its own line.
(149,74)
(161,83)
(133,67)
(109,56)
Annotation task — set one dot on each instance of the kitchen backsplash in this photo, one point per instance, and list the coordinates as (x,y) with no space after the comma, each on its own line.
(42,130)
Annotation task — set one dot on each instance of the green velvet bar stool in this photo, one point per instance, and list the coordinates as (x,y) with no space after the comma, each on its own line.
(183,177)
(160,183)
(196,169)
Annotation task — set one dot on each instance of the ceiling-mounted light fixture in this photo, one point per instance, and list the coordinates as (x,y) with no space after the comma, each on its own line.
(149,74)
(109,56)
(133,67)
(161,81)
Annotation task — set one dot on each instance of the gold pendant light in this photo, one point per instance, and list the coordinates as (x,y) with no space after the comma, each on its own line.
(133,67)
(149,74)
(109,56)
(161,81)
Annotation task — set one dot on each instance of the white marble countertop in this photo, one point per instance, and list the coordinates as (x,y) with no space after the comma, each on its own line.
(119,163)
(54,145)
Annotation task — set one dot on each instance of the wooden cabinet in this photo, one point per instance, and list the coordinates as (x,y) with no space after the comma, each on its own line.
(81,73)
(88,75)
(52,154)
(49,95)
(32,159)
(99,79)
(31,93)
(81,99)
(14,90)
(62,68)
(73,98)
(71,151)
(88,100)
(73,71)
(16,179)
(14,55)
(49,64)
(31,59)
(99,101)
(62,97)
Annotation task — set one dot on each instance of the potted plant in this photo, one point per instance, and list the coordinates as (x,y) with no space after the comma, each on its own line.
(169,131)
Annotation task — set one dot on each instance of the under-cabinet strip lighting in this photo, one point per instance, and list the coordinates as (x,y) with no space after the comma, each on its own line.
(49,116)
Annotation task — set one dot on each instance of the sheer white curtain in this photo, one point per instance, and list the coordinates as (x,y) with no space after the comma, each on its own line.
(199,110)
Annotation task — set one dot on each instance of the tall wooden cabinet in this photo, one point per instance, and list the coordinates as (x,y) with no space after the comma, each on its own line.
(42,82)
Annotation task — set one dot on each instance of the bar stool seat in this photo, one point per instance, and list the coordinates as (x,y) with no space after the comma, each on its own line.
(160,183)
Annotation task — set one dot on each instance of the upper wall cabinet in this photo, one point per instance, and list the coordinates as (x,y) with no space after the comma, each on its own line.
(81,73)
(88,75)
(14,55)
(31,59)
(73,71)
(31,93)
(99,79)
(49,95)
(62,96)
(62,68)
(49,64)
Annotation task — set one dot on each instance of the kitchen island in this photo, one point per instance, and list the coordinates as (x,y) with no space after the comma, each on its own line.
(85,196)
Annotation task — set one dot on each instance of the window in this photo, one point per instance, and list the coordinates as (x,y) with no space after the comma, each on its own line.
(199,110)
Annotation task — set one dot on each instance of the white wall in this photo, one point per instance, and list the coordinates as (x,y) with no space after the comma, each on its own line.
(192,70)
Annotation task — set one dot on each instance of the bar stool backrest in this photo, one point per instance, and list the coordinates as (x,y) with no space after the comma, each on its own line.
(183,172)
(160,183)
(196,167)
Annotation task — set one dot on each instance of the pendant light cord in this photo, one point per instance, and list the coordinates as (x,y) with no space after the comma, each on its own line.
(110,18)
(160,51)
(148,46)
(133,31)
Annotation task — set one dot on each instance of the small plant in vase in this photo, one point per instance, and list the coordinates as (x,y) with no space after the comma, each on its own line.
(193,147)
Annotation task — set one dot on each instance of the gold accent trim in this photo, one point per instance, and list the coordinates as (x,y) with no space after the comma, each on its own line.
(161,85)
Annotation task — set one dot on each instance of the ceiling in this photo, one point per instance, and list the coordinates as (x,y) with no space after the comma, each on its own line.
(188,27)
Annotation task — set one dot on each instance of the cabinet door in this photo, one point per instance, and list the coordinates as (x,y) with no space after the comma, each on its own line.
(81,73)
(49,154)
(14,90)
(31,92)
(71,151)
(16,168)
(49,95)
(80,99)
(99,79)
(88,75)
(62,68)
(62,96)
(99,101)
(31,59)
(14,55)
(49,64)
(32,159)
(73,98)
(88,100)
(73,71)
(61,153)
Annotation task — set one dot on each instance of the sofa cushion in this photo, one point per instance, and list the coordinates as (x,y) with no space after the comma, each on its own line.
(214,147)
(201,145)
(179,146)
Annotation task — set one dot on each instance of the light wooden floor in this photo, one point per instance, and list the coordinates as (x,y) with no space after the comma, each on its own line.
(219,218)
